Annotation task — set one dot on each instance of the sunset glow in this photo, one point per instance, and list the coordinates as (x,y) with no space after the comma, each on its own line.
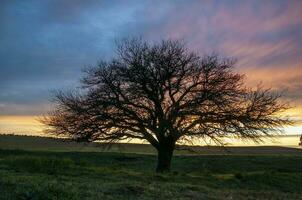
(24,125)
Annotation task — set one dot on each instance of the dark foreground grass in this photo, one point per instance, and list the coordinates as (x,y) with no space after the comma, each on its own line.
(88,175)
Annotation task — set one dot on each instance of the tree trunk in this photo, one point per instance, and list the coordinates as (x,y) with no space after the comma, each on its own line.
(165,153)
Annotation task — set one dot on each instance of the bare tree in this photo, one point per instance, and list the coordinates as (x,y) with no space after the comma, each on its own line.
(164,94)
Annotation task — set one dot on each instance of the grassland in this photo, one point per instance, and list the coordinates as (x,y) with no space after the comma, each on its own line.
(44,168)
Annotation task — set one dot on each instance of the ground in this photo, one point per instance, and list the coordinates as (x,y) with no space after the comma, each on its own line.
(41,168)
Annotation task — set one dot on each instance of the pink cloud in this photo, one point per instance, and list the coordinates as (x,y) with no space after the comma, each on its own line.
(264,38)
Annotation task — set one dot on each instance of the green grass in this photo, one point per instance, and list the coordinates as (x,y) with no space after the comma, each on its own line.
(44,169)
(93,175)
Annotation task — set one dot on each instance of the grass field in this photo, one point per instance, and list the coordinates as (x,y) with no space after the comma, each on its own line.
(44,168)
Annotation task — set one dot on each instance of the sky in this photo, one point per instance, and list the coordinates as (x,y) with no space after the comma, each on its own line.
(44,44)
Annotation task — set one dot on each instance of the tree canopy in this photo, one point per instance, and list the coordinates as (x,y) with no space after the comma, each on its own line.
(163,93)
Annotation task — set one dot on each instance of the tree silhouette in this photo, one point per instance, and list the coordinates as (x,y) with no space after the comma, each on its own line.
(164,94)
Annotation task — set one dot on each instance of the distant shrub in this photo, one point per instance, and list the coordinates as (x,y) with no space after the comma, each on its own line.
(239,176)
(175,173)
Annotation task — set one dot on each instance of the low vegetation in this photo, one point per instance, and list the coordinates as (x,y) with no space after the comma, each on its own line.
(41,174)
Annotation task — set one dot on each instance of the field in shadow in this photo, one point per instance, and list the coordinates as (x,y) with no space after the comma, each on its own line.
(34,143)
(42,174)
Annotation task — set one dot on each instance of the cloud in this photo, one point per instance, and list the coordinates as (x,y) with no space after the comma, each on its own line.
(22,109)
(44,44)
